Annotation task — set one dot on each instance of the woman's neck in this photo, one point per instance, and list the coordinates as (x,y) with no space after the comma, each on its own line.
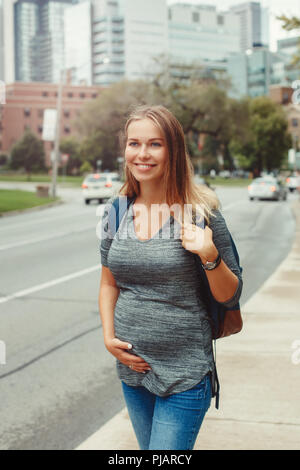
(151,194)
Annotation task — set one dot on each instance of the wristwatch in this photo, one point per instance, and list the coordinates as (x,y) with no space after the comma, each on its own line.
(210,265)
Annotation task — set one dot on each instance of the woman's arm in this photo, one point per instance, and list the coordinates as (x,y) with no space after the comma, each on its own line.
(223,282)
(108,296)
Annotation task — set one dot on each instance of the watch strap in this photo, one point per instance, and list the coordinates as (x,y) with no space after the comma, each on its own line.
(210,265)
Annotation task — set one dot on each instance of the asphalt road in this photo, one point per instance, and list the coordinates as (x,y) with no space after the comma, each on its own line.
(59,384)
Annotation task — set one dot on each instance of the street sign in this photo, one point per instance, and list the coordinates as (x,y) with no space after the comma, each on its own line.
(292,156)
(65,158)
(49,125)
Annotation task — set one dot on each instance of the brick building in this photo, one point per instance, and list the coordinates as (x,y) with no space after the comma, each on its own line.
(283,95)
(25,105)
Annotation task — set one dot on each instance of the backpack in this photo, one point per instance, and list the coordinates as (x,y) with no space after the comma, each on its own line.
(224,321)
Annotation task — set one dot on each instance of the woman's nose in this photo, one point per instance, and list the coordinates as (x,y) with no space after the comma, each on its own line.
(143,150)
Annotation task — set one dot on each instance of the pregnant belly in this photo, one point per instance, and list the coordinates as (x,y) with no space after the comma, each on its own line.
(157,336)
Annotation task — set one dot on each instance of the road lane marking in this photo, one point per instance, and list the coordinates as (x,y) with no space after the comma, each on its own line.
(46,237)
(44,219)
(233,204)
(48,284)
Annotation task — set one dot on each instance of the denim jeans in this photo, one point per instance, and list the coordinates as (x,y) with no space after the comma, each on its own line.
(167,423)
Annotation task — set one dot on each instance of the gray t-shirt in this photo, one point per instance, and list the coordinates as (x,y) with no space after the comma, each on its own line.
(160,309)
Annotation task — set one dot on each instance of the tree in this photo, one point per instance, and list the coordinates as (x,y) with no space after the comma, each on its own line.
(71,147)
(268,141)
(290,24)
(28,153)
(101,121)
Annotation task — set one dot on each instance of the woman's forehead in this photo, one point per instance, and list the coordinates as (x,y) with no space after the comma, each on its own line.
(144,128)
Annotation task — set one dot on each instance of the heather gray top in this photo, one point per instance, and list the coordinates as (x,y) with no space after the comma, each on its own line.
(160,309)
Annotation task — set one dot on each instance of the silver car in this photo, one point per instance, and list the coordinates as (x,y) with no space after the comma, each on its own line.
(100,186)
(267,188)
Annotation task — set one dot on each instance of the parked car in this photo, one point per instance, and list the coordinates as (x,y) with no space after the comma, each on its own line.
(100,186)
(292,183)
(267,188)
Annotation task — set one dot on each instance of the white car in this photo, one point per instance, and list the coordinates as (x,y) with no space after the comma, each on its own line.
(100,186)
(292,183)
(267,188)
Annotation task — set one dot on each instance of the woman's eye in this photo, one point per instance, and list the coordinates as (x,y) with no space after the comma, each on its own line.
(132,144)
(156,144)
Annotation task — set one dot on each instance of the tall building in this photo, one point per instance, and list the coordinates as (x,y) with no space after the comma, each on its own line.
(253,72)
(7,41)
(201,35)
(108,49)
(39,39)
(26,23)
(1,42)
(130,38)
(249,15)
(78,43)
(145,36)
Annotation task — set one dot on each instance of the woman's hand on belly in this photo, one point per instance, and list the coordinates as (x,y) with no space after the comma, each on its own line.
(118,349)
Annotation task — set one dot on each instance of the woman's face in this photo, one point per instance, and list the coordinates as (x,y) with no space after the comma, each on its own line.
(146,145)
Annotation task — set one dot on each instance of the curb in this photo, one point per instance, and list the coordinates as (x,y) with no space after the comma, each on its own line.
(32,209)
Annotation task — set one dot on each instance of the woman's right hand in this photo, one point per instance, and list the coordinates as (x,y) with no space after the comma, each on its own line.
(118,349)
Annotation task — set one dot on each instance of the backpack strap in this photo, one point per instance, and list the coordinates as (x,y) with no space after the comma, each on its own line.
(116,213)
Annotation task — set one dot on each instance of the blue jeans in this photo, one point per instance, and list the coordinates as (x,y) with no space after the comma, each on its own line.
(167,423)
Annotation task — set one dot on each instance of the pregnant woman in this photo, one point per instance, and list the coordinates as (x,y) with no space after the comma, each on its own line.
(151,299)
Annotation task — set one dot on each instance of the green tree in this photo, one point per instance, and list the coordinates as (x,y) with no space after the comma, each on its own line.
(265,146)
(28,153)
(71,147)
(103,119)
(292,24)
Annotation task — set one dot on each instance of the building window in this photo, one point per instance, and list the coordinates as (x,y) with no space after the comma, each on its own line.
(40,113)
(40,129)
(27,112)
(45,93)
(82,95)
(70,95)
(196,17)
(66,113)
(67,130)
(220,20)
(94,95)
(294,122)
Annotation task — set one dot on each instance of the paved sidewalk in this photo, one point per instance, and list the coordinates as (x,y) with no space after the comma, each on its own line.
(259,371)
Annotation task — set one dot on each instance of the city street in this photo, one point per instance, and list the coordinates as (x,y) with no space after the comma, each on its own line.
(59,384)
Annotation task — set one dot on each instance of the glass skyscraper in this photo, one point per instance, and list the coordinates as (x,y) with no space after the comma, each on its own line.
(39,39)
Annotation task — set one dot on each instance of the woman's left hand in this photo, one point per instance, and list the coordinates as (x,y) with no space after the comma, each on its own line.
(199,241)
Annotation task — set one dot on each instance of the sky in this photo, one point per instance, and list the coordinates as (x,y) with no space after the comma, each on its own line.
(276,8)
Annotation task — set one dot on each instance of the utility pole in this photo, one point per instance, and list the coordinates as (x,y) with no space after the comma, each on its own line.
(57,134)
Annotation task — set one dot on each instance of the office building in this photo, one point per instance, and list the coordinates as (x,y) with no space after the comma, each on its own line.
(254,71)
(7,41)
(25,106)
(78,43)
(202,36)
(39,39)
(249,15)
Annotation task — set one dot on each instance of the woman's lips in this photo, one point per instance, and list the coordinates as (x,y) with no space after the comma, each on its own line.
(144,168)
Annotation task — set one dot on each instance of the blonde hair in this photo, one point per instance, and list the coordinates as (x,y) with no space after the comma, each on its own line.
(178,179)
